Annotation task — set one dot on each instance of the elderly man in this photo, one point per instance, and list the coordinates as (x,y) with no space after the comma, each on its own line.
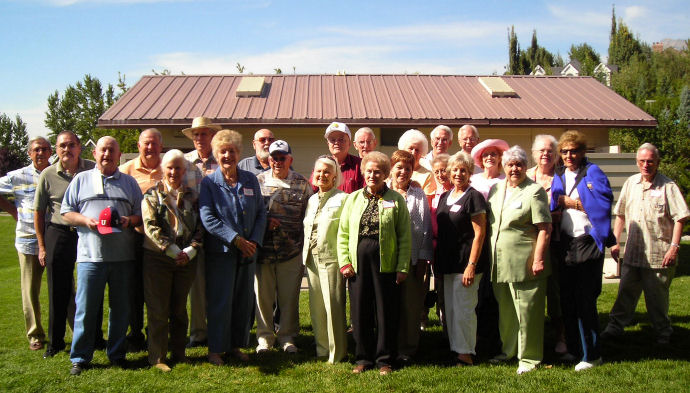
(441,139)
(468,138)
(57,241)
(200,163)
(365,141)
(21,184)
(338,138)
(279,268)
(655,211)
(258,162)
(146,170)
(104,204)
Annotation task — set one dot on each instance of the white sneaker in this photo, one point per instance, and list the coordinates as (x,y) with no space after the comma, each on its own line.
(587,365)
(525,369)
(262,348)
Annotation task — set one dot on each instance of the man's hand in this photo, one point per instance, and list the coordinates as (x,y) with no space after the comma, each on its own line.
(616,252)
(41,255)
(92,224)
(670,257)
(537,267)
(246,247)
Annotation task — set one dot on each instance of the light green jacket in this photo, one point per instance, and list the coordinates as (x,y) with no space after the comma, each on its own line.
(514,233)
(327,222)
(394,231)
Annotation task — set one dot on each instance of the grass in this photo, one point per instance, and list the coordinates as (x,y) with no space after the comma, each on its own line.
(634,364)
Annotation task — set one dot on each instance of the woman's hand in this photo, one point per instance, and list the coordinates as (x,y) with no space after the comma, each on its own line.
(468,276)
(568,202)
(182,259)
(537,266)
(245,246)
(273,224)
(349,272)
(400,277)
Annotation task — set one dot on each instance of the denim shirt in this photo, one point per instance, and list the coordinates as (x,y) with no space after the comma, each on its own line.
(223,221)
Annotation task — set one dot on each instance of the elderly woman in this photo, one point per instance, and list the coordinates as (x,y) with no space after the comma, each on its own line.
(412,289)
(581,192)
(461,215)
(374,254)
(487,155)
(544,155)
(279,271)
(415,142)
(320,255)
(170,212)
(520,230)
(233,213)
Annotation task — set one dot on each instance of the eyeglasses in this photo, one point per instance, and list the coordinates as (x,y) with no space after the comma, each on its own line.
(338,141)
(265,140)
(490,154)
(365,142)
(40,149)
(571,151)
(470,139)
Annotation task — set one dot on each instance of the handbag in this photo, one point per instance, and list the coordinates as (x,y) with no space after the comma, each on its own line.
(576,250)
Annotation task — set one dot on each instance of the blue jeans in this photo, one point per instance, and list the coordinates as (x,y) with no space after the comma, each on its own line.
(91,280)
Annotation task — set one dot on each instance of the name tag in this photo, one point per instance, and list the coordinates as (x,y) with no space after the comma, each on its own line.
(388,204)
(516,204)
(655,193)
(334,204)
(249,192)
(455,208)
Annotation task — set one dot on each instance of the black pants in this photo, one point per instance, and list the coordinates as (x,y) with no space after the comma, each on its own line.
(136,299)
(373,308)
(488,337)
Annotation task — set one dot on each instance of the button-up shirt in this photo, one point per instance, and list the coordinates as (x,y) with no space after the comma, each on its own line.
(251,164)
(21,183)
(198,169)
(145,177)
(51,188)
(650,210)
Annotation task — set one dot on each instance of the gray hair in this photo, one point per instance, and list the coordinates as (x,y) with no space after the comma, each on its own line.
(330,162)
(413,136)
(475,132)
(172,155)
(515,153)
(443,157)
(365,130)
(155,132)
(461,158)
(552,141)
(649,147)
(437,129)
(39,139)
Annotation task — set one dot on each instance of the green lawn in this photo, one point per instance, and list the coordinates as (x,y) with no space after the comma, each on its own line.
(633,364)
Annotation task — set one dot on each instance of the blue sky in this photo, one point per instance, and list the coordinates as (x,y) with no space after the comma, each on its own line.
(48,44)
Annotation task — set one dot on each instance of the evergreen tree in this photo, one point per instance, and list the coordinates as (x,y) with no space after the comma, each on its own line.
(14,141)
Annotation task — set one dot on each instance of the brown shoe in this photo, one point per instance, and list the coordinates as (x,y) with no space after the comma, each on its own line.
(36,345)
(239,355)
(215,359)
(360,368)
(385,370)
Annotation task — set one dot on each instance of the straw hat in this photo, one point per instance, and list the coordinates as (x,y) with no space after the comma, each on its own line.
(477,151)
(200,122)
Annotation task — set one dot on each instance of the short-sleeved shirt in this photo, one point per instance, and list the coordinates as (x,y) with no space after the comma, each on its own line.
(198,169)
(456,234)
(145,177)
(51,188)
(480,183)
(89,193)
(21,183)
(650,210)
(251,164)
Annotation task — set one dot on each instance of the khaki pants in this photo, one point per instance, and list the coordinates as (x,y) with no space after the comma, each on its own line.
(31,273)
(285,279)
(327,309)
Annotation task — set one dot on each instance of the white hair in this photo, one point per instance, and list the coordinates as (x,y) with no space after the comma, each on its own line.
(515,153)
(331,163)
(365,130)
(436,130)
(172,155)
(39,139)
(649,147)
(413,136)
(475,132)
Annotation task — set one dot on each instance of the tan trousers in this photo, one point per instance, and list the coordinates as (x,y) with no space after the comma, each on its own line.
(197,300)
(327,309)
(285,279)
(31,273)
(412,295)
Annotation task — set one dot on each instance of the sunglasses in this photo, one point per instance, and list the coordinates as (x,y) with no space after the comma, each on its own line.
(571,151)
(279,158)
(265,140)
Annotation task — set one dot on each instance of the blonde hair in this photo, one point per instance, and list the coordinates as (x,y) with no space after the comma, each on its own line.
(461,158)
(226,137)
(381,159)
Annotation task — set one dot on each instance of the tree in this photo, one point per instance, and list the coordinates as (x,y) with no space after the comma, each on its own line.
(587,57)
(240,68)
(78,110)
(513,53)
(683,111)
(623,46)
(521,62)
(14,139)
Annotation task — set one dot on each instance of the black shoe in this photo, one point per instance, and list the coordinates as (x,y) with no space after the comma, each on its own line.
(195,343)
(77,368)
(100,343)
(136,343)
(52,351)
(119,363)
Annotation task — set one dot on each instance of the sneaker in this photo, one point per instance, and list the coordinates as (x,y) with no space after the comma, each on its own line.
(262,348)
(525,369)
(290,348)
(77,368)
(587,365)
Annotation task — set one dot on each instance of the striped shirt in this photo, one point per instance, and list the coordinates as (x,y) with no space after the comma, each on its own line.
(21,183)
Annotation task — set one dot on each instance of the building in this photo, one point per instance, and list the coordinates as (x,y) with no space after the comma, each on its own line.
(298,108)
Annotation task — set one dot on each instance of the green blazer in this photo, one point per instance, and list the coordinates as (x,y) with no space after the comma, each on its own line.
(514,233)
(394,231)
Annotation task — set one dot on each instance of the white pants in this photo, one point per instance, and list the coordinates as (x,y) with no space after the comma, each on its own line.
(460,316)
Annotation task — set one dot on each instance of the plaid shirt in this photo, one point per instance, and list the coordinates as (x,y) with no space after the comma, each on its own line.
(22,184)
(198,169)
(651,211)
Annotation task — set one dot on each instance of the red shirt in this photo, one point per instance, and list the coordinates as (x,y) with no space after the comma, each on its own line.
(352,178)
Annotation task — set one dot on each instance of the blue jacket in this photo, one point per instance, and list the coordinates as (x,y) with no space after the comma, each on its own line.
(220,215)
(596,197)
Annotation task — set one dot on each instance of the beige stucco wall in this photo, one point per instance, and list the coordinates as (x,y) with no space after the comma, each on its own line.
(308,142)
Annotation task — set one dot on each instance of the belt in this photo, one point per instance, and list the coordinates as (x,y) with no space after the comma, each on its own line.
(66,228)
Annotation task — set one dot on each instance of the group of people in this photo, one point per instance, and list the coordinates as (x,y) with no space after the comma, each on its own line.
(499,239)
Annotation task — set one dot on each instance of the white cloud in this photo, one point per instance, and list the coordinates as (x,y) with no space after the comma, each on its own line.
(459,33)
(634,12)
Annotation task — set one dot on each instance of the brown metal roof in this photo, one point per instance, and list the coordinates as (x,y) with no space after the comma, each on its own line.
(395,100)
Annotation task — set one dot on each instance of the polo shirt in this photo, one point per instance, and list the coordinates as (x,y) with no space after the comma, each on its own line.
(89,193)
(22,184)
(51,188)
(145,177)
(251,164)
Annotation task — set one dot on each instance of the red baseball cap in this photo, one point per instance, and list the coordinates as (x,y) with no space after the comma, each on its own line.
(109,221)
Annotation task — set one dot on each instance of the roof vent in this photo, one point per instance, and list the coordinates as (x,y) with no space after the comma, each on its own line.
(497,87)
(250,86)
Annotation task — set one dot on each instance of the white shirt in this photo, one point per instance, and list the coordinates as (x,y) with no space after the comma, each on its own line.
(574,223)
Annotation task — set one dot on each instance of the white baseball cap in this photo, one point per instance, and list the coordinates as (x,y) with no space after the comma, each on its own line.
(337,126)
